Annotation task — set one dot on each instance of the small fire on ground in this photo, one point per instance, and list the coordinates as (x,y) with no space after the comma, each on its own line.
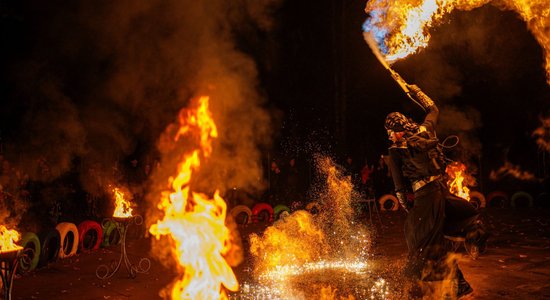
(123,207)
(459,180)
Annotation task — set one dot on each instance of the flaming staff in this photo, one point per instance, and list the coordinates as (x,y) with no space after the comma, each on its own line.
(401,27)
(376,51)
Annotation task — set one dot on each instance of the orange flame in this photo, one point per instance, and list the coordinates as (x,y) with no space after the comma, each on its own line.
(8,238)
(401,27)
(457,176)
(195,223)
(122,209)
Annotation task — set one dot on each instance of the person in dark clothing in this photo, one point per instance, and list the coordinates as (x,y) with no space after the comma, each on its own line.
(417,165)
(292,189)
(382,177)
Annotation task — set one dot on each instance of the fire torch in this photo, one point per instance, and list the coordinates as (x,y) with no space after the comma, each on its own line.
(402,83)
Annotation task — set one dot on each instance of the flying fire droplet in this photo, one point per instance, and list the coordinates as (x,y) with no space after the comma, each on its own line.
(401,27)
(195,222)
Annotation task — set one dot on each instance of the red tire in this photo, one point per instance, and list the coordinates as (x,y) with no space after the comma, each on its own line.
(261,209)
(90,235)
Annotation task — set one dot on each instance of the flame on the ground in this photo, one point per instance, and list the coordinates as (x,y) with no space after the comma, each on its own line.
(401,27)
(123,207)
(459,180)
(303,249)
(195,222)
(8,239)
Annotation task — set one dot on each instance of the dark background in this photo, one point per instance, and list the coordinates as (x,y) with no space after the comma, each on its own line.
(324,88)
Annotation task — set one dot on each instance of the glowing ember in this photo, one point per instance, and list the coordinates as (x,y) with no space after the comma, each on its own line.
(122,209)
(8,238)
(401,27)
(194,222)
(458,180)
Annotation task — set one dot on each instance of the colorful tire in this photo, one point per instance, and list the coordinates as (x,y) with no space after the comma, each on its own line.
(67,246)
(260,210)
(478,198)
(278,209)
(90,236)
(313,207)
(111,236)
(238,210)
(49,248)
(31,247)
(497,195)
(519,195)
(383,201)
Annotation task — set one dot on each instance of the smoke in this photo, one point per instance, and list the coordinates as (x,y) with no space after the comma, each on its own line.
(464,123)
(101,81)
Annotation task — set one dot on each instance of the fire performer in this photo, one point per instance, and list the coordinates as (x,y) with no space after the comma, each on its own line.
(417,165)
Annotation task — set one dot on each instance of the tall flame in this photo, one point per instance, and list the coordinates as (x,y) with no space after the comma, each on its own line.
(401,27)
(458,180)
(8,239)
(195,223)
(122,209)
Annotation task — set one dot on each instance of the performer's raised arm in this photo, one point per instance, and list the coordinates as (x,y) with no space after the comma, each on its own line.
(430,121)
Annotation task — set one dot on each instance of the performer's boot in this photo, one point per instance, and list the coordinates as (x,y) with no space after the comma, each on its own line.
(463,288)
(476,238)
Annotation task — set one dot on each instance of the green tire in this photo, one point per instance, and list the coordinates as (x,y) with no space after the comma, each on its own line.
(109,230)
(30,241)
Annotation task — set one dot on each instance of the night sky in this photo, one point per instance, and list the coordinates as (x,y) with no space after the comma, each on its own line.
(318,80)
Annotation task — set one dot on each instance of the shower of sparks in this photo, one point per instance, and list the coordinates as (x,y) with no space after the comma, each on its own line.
(357,267)
(323,256)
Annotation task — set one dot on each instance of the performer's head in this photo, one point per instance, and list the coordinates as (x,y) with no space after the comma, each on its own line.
(397,125)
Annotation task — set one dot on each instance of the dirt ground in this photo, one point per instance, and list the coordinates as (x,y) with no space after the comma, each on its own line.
(516,264)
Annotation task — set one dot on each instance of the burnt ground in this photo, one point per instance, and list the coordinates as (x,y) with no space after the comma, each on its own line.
(516,264)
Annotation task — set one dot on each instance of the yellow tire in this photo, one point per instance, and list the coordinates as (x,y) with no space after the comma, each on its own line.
(239,209)
(383,201)
(478,198)
(68,239)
